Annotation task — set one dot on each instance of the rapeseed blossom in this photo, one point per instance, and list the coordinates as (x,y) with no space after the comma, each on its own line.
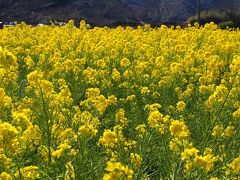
(6,176)
(234,165)
(119,103)
(179,129)
(109,138)
(181,106)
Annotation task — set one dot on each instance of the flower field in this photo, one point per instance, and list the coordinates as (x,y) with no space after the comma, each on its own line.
(119,103)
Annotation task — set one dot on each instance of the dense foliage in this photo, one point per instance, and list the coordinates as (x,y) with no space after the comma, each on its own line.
(123,103)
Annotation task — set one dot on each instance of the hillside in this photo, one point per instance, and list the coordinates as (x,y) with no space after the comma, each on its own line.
(105,12)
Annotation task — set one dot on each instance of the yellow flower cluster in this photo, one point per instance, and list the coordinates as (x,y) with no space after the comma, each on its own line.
(234,165)
(119,103)
(109,138)
(117,171)
(179,129)
(192,158)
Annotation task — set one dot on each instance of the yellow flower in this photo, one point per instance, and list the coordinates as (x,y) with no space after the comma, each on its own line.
(8,134)
(218,130)
(130,144)
(112,99)
(207,161)
(7,59)
(129,173)
(155,118)
(5,176)
(145,91)
(22,118)
(141,129)
(101,63)
(236,114)
(71,171)
(229,131)
(64,95)
(4,160)
(131,98)
(109,138)
(120,118)
(2,73)
(101,103)
(136,159)
(174,145)
(179,129)
(181,106)
(112,176)
(153,107)
(4,99)
(214,178)
(31,136)
(96,100)
(189,153)
(83,25)
(31,172)
(126,74)
(43,151)
(117,170)
(29,62)
(90,75)
(116,75)
(62,148)
(87,130)
(234,165)
(125,62)
(34,78)
(92,92)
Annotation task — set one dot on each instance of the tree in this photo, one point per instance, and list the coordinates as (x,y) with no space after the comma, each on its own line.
(231,9)
(161,11)
(198,10)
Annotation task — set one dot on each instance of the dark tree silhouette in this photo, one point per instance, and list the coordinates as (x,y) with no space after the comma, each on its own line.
(198,10)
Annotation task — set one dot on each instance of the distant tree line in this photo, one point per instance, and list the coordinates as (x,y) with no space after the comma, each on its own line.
(226,13)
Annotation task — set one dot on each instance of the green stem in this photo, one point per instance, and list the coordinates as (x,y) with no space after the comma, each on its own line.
(19,171)
(49,138)
(214,172)
(210,129)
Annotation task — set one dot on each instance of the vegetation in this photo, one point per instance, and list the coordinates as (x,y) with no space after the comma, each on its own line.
(121,103)
(223,18)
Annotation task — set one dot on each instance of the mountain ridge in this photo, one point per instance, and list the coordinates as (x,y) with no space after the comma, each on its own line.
(105,12)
